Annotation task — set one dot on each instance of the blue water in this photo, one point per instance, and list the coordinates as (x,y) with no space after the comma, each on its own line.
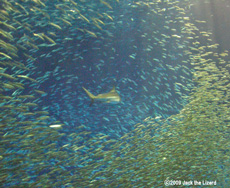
(145,50)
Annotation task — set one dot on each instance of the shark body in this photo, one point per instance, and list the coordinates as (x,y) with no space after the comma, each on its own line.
(110,97)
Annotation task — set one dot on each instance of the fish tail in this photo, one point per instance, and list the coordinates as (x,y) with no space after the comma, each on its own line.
(91,96)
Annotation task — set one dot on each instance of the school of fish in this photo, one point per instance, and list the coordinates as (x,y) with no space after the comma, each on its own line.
(172,121)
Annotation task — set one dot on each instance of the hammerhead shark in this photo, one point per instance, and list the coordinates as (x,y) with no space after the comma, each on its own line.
(110,97)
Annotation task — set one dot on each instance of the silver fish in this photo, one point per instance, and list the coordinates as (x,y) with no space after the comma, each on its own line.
(110,97)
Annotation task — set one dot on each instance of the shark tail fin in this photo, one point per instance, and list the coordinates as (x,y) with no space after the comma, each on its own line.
(91,96)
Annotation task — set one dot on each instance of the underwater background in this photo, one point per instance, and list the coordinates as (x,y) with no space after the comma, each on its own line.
(168,61)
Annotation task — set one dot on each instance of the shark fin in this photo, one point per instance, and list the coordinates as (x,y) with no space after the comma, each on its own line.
(91,96)
(92,101)
(114,89)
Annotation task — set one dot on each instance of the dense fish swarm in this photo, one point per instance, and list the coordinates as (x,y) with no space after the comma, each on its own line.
(174,119)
